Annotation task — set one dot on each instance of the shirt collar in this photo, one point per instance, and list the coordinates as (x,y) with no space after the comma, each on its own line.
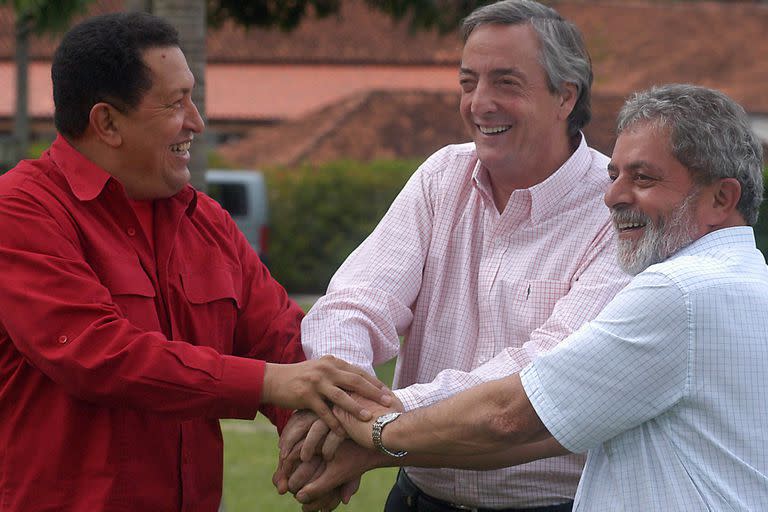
(87,180)
(737,236)
(545,198)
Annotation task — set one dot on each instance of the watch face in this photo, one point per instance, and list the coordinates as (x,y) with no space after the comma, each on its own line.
(389,416)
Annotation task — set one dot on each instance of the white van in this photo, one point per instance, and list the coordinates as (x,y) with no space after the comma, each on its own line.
(243,193)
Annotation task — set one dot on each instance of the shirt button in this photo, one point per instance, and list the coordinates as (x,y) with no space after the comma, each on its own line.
(63,339)
(131,232)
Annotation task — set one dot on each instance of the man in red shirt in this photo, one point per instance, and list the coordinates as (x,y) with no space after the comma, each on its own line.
(133,313)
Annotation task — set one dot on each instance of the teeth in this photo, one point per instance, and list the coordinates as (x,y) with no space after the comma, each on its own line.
(629,225)
(490,130)
(181,148)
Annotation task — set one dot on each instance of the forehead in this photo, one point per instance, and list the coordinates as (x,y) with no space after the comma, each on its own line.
(647,146)
(495,45)
(642,141)
(168,69)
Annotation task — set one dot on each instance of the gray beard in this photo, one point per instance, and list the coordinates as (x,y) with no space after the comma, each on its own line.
(661,239)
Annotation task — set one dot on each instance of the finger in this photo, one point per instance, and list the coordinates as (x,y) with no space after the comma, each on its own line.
(348,489)
(340,398)
(320,408)
(340,364)
(295,430)
(304,473)
(280,478)
(315,437)
(328,502)
(358,380)
(359,384)
(326,482)
(331,444)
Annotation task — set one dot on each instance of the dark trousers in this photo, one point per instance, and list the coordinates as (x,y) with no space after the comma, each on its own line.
(406,497)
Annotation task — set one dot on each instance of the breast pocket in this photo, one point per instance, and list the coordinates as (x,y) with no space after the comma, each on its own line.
(132,291)
(214,296)
(536,299)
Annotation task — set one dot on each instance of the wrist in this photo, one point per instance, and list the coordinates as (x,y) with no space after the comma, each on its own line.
(377,433)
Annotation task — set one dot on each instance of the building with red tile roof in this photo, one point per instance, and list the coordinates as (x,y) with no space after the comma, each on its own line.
(359,84)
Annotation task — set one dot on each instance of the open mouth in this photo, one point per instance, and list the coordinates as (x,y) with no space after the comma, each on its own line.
(628,226)
(493,130)
(181,148)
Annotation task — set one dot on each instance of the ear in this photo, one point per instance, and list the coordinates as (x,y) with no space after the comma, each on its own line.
(103,121)
(722,198)
(568,95)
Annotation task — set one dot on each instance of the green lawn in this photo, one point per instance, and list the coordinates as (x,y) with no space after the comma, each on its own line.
(250,456)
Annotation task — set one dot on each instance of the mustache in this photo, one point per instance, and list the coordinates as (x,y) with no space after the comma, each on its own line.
(627,215)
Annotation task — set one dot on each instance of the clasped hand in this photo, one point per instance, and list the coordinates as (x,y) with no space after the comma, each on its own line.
(321,467)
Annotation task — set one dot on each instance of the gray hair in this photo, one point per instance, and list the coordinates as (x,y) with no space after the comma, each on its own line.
(709,134)
(563,55)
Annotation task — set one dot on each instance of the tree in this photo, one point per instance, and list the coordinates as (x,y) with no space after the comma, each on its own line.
(34,16)
(424,14)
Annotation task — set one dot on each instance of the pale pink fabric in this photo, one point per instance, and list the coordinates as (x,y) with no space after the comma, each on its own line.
(476,295)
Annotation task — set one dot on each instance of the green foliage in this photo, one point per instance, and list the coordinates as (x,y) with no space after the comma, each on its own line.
(761,229)
(42,16)
(445,15)
(318,215)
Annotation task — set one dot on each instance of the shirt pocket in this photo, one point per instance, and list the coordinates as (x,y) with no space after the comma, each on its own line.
(132,291)
(535,301)
(214,296)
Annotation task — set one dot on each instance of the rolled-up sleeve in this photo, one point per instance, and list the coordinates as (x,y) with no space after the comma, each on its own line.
(625,367)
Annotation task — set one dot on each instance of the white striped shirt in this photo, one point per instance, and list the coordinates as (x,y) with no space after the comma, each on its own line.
(477,295)
(666,387)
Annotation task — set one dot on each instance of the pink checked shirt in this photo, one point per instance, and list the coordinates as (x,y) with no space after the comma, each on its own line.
(476,295)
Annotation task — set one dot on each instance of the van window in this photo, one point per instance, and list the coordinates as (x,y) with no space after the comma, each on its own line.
(232,196)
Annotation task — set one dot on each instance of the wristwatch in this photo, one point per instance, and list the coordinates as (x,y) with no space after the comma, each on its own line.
(378,426)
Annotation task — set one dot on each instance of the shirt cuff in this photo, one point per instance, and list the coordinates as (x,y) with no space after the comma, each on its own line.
(407,398)
(240,388)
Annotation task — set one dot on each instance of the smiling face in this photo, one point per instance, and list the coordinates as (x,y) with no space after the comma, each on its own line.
(518,125)
(156,136)
(654,201)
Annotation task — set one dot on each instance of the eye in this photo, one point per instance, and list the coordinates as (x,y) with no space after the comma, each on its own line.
(643,180)
(467,84)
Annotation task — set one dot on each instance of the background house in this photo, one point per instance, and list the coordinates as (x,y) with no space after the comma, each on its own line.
(361,86)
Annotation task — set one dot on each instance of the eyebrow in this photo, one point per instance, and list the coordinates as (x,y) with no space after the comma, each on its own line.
(495,72)
(634,166)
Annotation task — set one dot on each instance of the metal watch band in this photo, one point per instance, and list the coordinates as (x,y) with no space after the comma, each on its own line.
(378,426)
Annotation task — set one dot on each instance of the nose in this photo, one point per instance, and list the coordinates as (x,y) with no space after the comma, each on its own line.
(193,120)
(618,193)
(483,100)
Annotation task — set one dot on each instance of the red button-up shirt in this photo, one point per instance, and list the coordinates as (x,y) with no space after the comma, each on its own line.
(117,361)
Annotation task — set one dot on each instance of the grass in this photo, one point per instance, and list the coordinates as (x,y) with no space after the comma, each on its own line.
(250,457)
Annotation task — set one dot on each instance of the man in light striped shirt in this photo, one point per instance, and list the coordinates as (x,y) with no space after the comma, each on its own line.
(666,387)
(494,252)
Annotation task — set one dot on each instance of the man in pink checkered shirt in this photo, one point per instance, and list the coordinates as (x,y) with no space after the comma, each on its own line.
(494,251)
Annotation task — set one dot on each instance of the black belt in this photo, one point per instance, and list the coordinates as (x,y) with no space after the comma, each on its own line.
(417,499)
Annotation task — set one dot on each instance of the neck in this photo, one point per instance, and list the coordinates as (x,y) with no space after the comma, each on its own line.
(526,174)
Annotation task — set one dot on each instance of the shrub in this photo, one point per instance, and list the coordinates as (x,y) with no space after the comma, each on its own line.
(761,229)
(319,214)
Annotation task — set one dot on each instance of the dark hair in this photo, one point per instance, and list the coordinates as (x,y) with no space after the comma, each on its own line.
(100,59)
(709,134)
(563,55)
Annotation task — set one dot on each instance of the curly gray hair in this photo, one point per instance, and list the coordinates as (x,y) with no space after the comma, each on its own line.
(710,134)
